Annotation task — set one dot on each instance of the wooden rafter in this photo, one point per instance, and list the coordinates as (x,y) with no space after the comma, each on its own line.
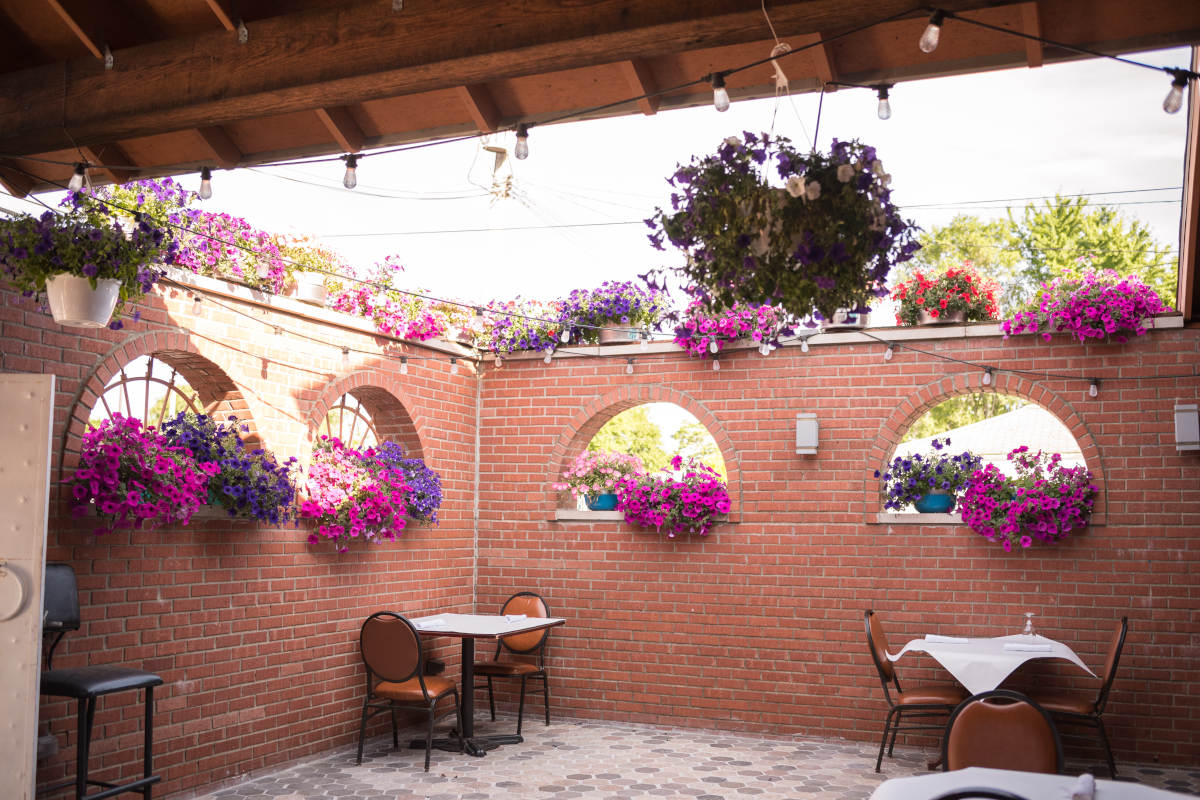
(342,127)
(1188,289)
(220,145)
(14,179)
(1031,24)
(220,9)
(481,106)
(114,156)
(76,28)
(822,56)
(641,81)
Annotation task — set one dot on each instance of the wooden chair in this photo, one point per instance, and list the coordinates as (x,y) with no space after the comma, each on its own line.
(920,703)
(391,650)
(1001,729)
(1073,709)
(532,643)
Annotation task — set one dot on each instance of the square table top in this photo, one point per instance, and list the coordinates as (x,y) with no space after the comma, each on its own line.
(981,664)
(1029,785)
(481,626)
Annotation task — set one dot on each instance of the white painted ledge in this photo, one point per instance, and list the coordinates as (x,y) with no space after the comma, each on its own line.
(919,519)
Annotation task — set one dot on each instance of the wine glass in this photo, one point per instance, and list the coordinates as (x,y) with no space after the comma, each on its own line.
(1028,629)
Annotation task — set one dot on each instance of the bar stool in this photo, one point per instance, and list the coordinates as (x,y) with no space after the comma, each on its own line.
(85,684)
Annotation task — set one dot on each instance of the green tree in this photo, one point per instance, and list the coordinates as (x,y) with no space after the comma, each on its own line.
(692,440)
(987,244)
(633,432)
(959,411)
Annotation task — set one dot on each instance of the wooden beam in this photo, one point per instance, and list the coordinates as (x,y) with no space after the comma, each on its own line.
(481,106)
(76,28)
(341,125)
(822,57)
(220,9)
(1187,292)
(641,81)
(114,155)
(14,179)
(220,145)
(1031,24)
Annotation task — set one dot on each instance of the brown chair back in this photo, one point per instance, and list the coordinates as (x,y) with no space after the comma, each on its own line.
(1110,662)
(532,606)
(390,647)
(877,642)
(1001,729)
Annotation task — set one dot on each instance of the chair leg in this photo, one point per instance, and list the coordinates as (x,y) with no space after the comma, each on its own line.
(887,728)
(491,699)
(362,729)
(395,732)
(521,706)
(148,746)
(86,713)
(546,695)
(1112,765)
(895,733)
(429,733)
(462,743)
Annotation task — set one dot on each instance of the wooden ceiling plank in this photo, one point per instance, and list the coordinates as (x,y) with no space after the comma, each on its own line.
(114,156)
(14,179)
(1031,25)
(641,81)
(221,146)
(76,28)
(822,57)
(481,106)
(341,125)
(221,10)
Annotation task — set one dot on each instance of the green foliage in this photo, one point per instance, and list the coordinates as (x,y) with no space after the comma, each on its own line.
(962,410)
(632,432)
(693,441)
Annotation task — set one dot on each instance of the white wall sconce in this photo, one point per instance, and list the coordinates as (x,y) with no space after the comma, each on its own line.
(807,433)
(1187,427)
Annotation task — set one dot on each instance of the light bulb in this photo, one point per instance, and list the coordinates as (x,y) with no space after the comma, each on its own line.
(499,362)
(453,365)
(205,183)
(629,366)
(521,151)
(345,358)
(403,365)
(76,182)
(350,179)
(987,377)
(887,354)
(549,357)
(1174,100)
(764,349)
(565,336)
(196,306)
(804,345)
(1094,389)
(885,106)
(645,341)
(716,365)
(712,346)
(933,31)
(720,94)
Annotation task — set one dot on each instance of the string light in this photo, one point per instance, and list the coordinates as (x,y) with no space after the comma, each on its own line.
(891,351)
(764,349)
(565,336)
(403,365)
(196,305)
(716,365)
(243,34)
(205,183)
(1094,389)
(933,32)
(1174,100)
(645,337)
(350,179)
(720,93)
(987,376)
(345,358)
(453,365)
(712,346)
(885,105)
(499,362)
(804,345)
(521,151)
(629,366)
(549,356)
(76,182)
(109,62)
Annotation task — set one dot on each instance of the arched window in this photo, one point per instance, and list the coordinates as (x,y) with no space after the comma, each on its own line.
(349,421)
(656,432)
(149,389)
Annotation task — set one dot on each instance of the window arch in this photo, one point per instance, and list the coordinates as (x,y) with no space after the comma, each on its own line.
(349,421)
(149,389)
(362,414)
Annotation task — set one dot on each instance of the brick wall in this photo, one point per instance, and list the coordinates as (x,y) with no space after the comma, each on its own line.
(758,627)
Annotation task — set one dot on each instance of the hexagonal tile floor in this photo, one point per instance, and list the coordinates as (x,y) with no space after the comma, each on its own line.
(595,760)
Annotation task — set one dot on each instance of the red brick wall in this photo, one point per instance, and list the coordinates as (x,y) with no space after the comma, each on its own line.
(758,627)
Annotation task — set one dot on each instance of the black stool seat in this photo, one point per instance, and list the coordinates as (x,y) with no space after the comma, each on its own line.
(91,681)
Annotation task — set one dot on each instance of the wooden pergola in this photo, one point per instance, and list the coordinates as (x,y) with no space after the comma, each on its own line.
(145,88)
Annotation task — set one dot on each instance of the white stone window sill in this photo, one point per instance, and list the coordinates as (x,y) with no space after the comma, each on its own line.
(918,519)
(577,515)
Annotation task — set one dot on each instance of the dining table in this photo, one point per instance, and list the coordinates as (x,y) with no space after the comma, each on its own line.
(982,663)
(468,628)
(1026,785)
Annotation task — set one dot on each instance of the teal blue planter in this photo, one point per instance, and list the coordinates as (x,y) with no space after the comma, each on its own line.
(935,503)
(601,502)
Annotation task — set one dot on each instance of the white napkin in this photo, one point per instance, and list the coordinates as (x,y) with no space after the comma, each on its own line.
(1084,787)
(514,617)
(933,637)
(1027,648)
(432,623)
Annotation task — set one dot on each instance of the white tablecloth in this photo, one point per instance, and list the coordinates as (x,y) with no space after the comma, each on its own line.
(1030,785)
(983,664)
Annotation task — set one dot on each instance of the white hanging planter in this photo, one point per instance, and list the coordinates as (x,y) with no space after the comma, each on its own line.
(74,302)
(310,287)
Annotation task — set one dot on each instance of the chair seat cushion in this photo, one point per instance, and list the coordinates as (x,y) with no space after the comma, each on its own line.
(1065,703)
(931,696)
(97,680)
(505,668)
(410,690)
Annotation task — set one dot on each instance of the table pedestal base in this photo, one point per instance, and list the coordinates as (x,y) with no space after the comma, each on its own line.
(475,745)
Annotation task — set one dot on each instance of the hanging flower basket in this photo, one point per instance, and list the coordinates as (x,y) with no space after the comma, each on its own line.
(82,302)
(762,223)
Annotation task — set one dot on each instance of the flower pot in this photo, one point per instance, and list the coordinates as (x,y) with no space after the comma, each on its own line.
(934,503)
(844,318)
(944,318)
(601,502)
(617,335)
(310,287)
(74,302)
